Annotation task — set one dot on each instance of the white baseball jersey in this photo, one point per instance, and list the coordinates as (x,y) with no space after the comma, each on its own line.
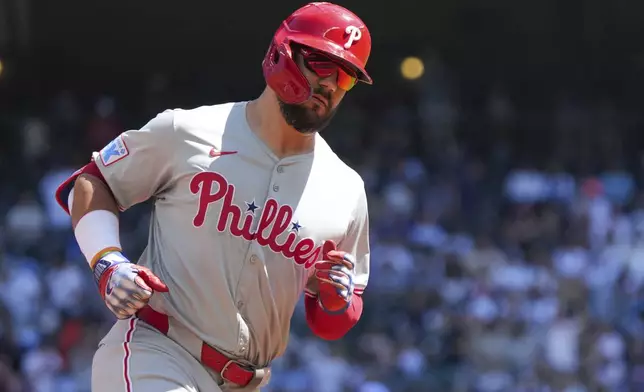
(235,230)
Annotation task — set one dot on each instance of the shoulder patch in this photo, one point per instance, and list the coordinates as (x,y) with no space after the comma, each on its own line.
(114,152)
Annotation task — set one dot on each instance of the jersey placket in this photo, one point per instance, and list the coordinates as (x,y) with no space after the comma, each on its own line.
(247,289)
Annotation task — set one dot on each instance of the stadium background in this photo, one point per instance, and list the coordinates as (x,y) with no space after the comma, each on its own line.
(505,184)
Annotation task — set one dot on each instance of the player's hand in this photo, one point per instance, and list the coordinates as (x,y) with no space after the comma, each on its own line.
(124,286)
(336,276)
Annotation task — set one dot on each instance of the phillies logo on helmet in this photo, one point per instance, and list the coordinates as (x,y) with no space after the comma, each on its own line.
(274,221)
(354,35)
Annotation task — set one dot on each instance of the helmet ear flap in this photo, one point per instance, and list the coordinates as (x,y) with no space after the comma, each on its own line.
(284,76)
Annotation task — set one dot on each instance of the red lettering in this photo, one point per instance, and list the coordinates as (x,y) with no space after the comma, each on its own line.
(273,222)
(281,224)
(228,208)
(248,223)
(202,183)
(312,258)
(268,215)
(302,249)
(286,246)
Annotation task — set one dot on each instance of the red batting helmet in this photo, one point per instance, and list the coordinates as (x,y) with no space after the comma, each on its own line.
(325,27)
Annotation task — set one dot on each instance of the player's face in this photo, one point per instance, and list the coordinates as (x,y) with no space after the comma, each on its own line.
(330,82)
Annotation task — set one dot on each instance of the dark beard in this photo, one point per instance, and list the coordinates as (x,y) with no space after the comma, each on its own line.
(303,119)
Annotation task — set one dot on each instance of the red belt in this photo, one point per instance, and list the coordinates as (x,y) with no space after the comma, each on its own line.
(229,370)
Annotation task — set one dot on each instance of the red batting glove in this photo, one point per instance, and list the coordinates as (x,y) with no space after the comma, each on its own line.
(336,278)
(125,287)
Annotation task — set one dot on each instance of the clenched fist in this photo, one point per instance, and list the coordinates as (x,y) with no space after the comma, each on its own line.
(336,276)
(125,287)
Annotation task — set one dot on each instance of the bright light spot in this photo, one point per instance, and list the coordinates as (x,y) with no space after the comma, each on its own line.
(412,68)
(1,67)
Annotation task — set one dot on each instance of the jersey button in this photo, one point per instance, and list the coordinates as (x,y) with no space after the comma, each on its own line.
(253,259)
(276,188)
(280,169)
(240,304)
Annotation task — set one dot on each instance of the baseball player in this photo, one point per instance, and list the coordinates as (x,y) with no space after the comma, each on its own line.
(251,210)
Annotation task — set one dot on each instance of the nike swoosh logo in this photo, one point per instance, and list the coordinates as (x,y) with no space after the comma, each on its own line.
(215,153)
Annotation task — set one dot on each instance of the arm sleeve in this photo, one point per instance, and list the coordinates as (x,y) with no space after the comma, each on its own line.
(334,326)
(355,242)
(138,163)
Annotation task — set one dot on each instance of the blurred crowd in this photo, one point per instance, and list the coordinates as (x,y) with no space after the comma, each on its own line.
(498,264)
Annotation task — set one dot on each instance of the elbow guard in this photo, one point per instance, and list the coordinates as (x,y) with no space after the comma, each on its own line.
(64,190)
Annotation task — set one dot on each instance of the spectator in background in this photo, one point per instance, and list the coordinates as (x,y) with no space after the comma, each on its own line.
(104,125)
(10,381)
(496,267)
(42,366)
(25,222)
(35,141)
(58,220)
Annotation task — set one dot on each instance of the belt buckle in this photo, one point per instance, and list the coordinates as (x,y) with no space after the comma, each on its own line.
(223,370)
(231,362)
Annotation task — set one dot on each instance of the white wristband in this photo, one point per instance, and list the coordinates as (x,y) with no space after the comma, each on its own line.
(97,232)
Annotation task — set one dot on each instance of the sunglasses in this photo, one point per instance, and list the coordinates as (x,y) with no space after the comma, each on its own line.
(324,66)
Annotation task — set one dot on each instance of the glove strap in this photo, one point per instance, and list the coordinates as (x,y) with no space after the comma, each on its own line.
(344,309)
(106,262)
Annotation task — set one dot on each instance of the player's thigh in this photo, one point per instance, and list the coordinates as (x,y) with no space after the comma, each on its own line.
(134,357)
